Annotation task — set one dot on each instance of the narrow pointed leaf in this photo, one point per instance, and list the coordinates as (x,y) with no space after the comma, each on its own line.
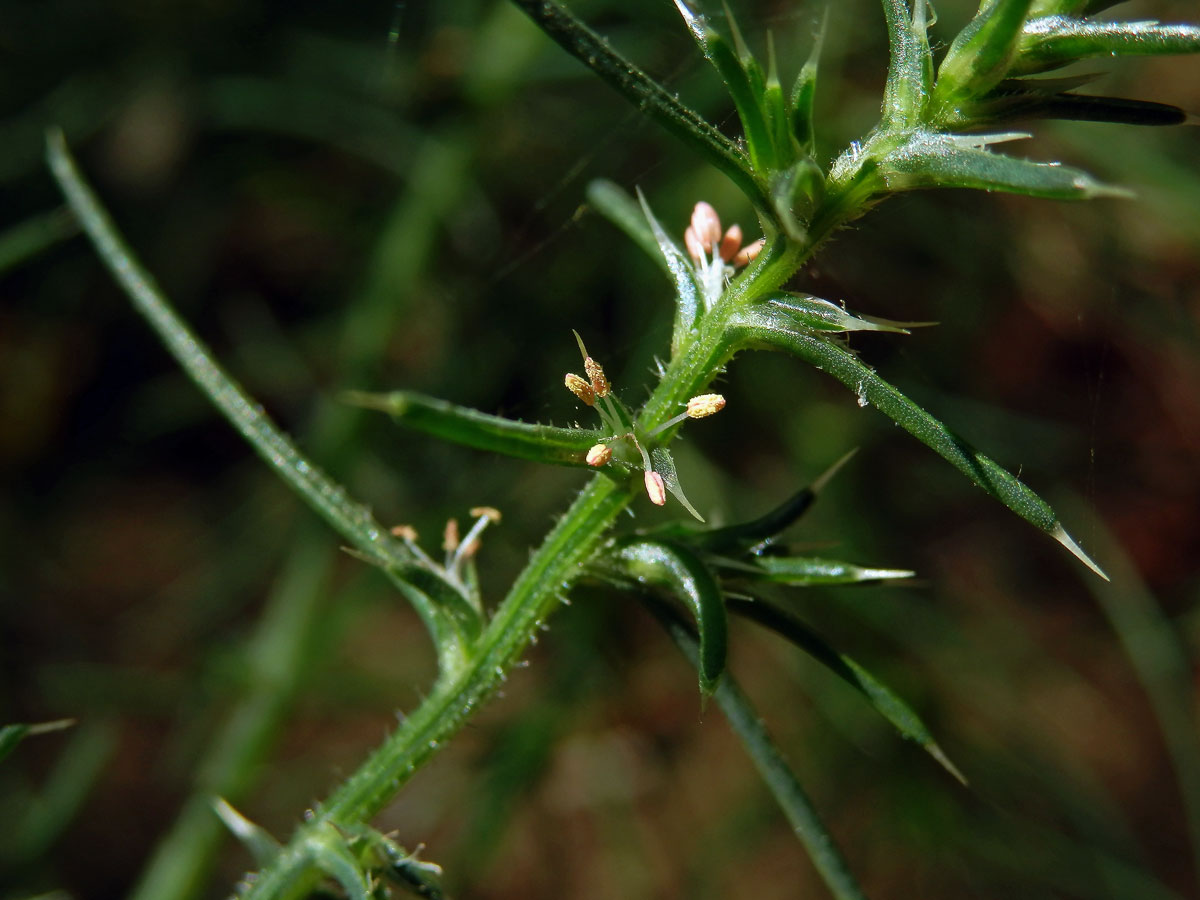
(1054,41)
(664,465)
(679,571)
(770,327)
(482,431)
(910,71)
(1030,98)
(822,315)
(982,53)
(804,571)
(687,292)
(615,204)
(804,92)
(11,735)
(928,160)
(644,92)
(751,730)
(260,842)
(779,119)
(746,95)
(899,714)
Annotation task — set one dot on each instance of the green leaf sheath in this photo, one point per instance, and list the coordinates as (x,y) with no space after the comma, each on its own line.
(771,328)
(688,294)
(899,714)
(750,729)
(1052,41)
(645,93)
(680,572)
(981,54)
(910,70)
(482,431)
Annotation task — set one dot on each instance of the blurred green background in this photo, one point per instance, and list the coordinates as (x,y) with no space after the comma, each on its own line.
(392,195)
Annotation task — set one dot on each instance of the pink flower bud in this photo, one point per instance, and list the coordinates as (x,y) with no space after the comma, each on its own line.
(731,243)
(694,248)
(707,225)
(655,489)
(748,252)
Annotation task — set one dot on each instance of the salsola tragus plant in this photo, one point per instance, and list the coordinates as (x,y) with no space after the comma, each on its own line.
(945,123)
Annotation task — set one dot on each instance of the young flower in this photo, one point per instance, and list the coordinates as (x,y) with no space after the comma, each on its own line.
(698,407)
(715,255)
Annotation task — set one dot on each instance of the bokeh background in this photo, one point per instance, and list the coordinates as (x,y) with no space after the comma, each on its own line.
(388,195)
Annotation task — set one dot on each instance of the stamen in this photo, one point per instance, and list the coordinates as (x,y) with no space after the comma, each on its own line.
(580,388)
(704,405)
(707,225)
(450,536)
(405,533)
(731,243)
(656,490)
(599,455)
(749,252)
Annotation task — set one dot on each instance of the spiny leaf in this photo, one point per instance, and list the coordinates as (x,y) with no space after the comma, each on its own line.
(804,92)
(929,160)
(11,735)
(615,204)
(771,327)
(901,716)
(751,730)
(910,71)
(822,315)
(524,440)
(746,95)
(1051,99)
(804,571)
(260,842)
(980,56)
(688,293)
(1053,41)
(673,567)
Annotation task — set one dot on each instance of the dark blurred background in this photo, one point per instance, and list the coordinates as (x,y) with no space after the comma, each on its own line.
(392,195)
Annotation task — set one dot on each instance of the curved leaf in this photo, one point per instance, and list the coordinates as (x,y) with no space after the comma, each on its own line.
(772,328)
(682,573)
(901,716)
(822,315)
(463,425)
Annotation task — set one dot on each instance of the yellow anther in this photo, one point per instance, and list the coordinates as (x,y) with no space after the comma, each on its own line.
(595,372)
(486,512)
(580,388)
(598,455)
(705,405)
(405,533)
(450,536)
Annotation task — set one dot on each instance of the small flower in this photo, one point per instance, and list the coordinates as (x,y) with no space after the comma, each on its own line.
(599,455)
(749,252)
(706,225)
